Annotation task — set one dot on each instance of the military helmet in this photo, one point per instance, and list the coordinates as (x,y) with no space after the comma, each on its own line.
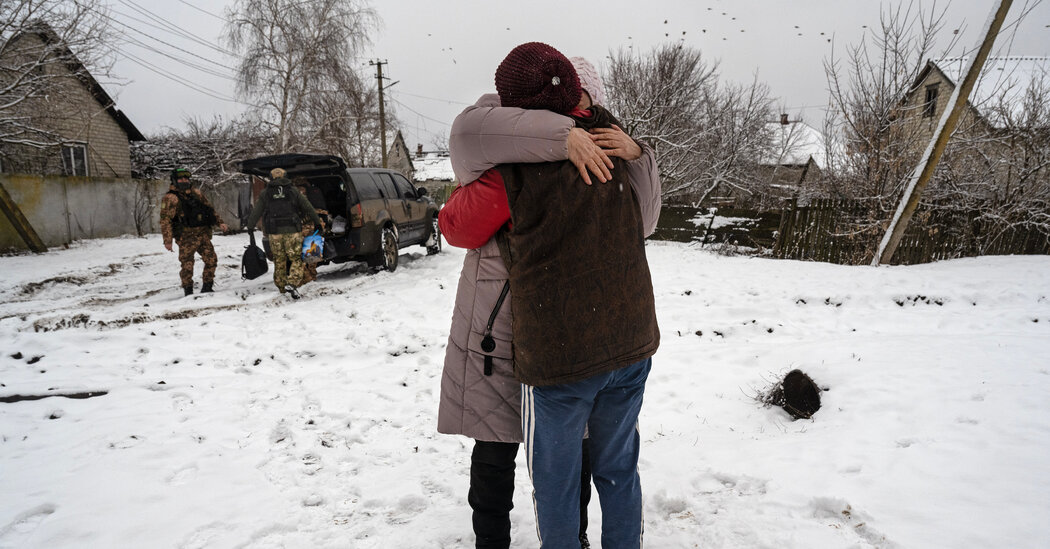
(179,172)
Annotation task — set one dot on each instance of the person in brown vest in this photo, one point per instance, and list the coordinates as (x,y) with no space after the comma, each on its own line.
(624,203)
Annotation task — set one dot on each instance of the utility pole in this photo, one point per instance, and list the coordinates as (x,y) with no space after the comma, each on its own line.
(382,113)
(949,120)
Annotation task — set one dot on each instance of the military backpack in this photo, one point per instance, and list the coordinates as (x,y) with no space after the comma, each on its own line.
(282,210)
(193,212)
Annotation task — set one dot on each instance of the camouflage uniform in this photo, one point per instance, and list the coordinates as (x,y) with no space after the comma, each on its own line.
(191,240)
(309,269)
(288,265)
(285,234)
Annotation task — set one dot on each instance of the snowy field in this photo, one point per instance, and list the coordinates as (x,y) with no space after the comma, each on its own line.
(245,419)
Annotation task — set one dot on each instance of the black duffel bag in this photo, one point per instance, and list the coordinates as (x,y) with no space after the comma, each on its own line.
(253,262)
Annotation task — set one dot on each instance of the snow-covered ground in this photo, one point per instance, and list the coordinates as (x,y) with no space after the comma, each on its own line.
(245,419)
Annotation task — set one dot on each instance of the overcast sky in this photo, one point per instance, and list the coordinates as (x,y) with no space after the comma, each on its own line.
(443,54)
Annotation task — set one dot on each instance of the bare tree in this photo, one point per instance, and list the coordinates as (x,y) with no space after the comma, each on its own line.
(991,185)
(343,119)
(208,148)
(293,53)
(707,135)
(739,142)
(143,207)
(41,43)
(879,146)
(995,174)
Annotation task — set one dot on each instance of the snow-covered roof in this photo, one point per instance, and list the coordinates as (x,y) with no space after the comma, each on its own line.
(1004,80)
(434,166)
(794,144)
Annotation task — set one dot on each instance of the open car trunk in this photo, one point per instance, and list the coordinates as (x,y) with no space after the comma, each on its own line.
(324,172)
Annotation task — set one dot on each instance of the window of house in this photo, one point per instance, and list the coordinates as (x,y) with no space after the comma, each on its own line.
(929,109)
(74,159)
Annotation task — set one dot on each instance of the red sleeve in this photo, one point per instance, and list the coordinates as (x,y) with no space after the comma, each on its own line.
(474,212)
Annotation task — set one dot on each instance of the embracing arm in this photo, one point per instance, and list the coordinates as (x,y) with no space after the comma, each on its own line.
(486,134)
(642,171)
(473,213)
(645,180)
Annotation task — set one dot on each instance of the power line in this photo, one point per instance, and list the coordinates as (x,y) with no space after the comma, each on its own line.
(130,40)
(182,81)
(435,137)
(449,101)
(219,17)
(166,44)
(189,64)
(417,113)
(164,25)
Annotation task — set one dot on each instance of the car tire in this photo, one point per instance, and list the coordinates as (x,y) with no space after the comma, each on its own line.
(433,242)
(385,258)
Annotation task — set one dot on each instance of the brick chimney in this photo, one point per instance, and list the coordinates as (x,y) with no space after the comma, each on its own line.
(419,150)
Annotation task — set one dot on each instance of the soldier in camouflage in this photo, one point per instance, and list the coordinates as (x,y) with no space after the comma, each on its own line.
(187,217)
(282,209)
(316,199)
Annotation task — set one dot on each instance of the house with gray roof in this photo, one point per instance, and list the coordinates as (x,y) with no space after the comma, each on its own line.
(58,118)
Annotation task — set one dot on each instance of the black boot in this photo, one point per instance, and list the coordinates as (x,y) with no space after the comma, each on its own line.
(206,288)
(290,290)
(188,289)
(491,494)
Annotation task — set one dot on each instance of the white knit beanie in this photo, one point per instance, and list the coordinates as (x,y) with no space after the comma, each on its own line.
(589,79)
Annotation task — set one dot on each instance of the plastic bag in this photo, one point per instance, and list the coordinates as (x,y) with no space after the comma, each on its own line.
(313,248)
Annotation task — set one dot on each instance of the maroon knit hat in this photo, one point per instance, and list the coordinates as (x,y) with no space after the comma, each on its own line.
(537,76)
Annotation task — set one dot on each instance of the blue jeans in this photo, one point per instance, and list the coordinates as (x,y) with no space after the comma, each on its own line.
(553,421)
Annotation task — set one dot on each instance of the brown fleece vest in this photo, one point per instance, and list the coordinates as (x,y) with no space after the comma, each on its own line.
(580,285)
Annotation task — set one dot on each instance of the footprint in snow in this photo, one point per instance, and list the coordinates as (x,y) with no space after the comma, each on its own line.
(125,443)
(407,507)
(182,476)
(205,537)
(19,530)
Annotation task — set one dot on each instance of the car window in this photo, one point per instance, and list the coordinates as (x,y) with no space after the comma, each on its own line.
(386,185)
(367,188)
(406,188)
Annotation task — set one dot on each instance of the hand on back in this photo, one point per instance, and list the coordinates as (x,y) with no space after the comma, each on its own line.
(615,142)
(586,155)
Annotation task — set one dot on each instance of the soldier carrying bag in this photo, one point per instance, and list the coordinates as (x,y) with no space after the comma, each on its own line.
(282,211)
(253,262)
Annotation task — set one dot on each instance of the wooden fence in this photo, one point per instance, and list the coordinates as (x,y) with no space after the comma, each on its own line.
(849,232)
(748,228)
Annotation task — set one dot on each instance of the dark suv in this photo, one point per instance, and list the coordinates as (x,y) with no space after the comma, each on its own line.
(372,211)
